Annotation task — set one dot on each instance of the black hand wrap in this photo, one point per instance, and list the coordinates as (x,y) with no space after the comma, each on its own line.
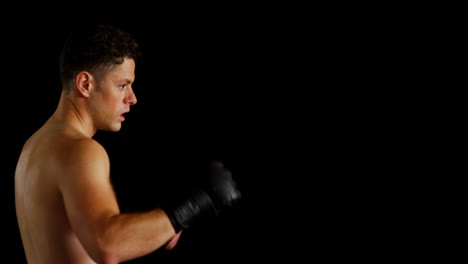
(185,213)
(220,193)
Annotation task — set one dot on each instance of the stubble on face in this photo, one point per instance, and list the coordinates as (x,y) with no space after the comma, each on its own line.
(112,96)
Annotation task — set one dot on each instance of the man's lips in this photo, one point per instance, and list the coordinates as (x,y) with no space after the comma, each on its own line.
(122,118)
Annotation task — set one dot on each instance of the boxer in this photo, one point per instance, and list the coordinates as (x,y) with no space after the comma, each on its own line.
(66,207)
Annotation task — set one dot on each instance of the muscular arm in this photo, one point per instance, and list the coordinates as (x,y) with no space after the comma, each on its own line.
(107,235)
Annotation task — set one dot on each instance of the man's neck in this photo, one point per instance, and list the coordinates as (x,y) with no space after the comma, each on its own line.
(71,112)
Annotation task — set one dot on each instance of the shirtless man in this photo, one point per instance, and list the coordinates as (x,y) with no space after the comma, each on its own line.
(66,207)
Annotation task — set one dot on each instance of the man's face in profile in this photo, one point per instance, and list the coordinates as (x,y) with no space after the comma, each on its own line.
(113,97)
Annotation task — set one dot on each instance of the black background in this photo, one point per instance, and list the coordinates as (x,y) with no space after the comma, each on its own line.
(211,87)
(314,109)
(292,99)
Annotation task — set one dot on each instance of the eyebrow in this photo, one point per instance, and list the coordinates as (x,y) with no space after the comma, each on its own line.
(126,80)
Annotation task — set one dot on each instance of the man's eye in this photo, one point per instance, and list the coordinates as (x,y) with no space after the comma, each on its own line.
(123,86)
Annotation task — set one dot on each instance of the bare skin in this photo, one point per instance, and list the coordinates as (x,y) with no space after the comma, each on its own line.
(66,206)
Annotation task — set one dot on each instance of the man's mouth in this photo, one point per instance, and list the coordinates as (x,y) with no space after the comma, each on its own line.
(121,117)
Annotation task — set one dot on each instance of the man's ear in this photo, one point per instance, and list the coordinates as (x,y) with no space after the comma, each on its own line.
(84,83)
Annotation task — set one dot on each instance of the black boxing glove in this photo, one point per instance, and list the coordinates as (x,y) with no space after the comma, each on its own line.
(222,188)
(220,193)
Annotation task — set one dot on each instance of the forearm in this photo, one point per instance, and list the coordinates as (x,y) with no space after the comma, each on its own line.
(132,235)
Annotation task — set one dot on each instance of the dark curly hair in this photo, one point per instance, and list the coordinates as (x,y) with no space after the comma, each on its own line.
(96,49)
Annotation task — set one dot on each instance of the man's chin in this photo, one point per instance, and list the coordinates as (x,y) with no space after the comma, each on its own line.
(113,128)
(117,128)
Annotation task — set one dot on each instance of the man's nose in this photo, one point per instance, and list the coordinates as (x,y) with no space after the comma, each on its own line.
(131,97)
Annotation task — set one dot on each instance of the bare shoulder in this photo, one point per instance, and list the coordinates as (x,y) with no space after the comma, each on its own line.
(86,149)
(84,154)
(83,162)
(87,145)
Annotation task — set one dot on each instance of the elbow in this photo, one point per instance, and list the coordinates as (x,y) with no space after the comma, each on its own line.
(102,253)
(109,259)
(106,249)
(105,256)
